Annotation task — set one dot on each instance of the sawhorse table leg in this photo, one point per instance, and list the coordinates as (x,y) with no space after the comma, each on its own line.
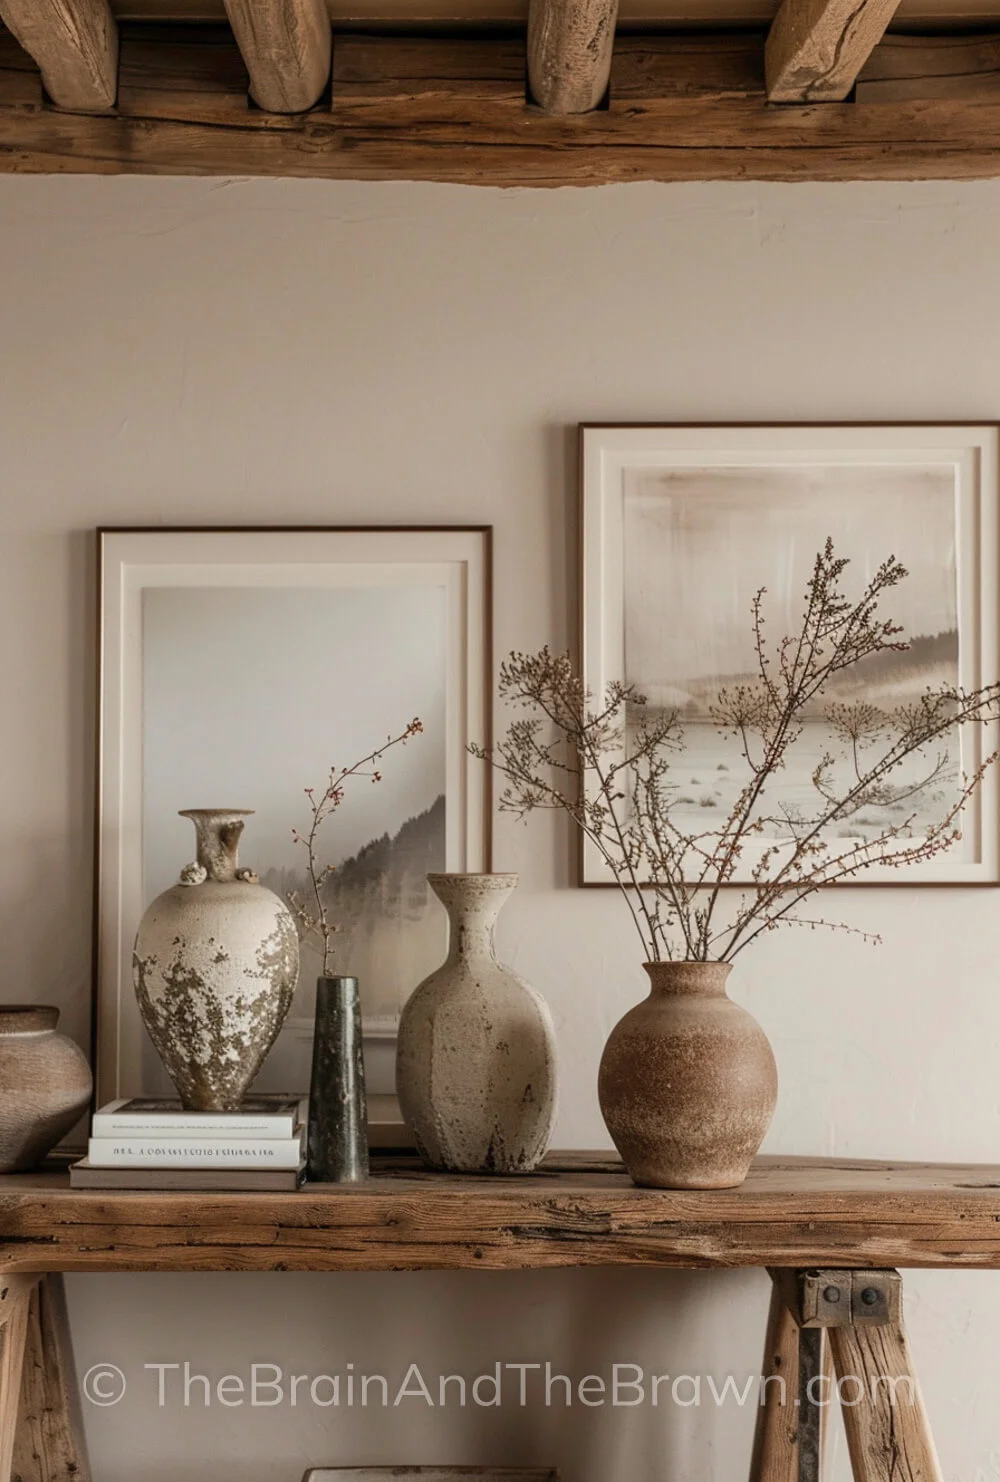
(41,1435)
(853,1318)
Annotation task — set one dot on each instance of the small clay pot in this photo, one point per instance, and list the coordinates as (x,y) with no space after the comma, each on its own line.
(45,1085)
(687,1082)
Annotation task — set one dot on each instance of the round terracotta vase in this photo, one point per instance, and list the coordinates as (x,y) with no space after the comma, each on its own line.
(687,1082)
(215,965)
(476,1055)
(45,1084)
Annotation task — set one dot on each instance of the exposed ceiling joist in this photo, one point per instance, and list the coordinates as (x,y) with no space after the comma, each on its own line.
(286,45)
(816,48)
(75,43)
(570,43)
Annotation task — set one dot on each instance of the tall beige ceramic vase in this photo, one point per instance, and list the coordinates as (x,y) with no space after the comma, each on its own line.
(215,965)
(476,1055)
(687,1082)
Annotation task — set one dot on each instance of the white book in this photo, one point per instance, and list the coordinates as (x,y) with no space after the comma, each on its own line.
(195,1152)
(149,1116)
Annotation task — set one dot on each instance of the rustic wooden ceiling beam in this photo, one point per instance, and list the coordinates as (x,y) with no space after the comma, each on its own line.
(816,48)
(286,45)
(570,45)
(75,43)
(681,108)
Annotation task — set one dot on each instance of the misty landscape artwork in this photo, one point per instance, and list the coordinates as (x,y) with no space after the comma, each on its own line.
(697,546)
(252,694)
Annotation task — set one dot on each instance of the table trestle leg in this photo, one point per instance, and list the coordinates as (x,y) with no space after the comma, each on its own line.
(789,1439)
(49,1445)
(888,1435)
(16,1293)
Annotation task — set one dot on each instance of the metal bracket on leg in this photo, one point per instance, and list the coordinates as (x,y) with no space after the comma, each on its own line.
(840,1299)
(810,1405)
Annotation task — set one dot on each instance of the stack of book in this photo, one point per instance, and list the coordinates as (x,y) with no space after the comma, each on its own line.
(153,1143)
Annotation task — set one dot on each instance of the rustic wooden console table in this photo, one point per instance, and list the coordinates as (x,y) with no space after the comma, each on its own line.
(830,1232)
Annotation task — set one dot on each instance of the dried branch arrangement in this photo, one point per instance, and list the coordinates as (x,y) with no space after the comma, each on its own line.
(610,766)
(313,918)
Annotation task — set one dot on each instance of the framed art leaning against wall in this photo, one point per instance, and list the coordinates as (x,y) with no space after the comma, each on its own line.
(683,525)
(237,667)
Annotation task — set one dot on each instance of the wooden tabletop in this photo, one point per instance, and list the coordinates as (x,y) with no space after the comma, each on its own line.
(579,1210)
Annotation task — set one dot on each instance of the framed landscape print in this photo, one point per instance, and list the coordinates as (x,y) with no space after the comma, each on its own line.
(683,525)
(237,667)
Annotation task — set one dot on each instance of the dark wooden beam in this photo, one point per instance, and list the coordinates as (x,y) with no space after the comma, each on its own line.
(903,68)
(681,108)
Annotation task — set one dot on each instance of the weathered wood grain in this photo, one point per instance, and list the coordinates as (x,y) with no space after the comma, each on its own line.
(74,42)
(287,46)
(775,1455)
(183,74)
(789,1213)
(681,108)
(903,68)
(15,1301)
(49,1445)
(816,48)
(888,1435)
(20,79)
(570,43)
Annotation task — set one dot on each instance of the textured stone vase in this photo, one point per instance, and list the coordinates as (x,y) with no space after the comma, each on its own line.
(688,1083)
(215,965)
(45,1085)
(476,1058)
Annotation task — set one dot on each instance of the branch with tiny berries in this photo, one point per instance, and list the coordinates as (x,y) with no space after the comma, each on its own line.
(607,763)
(313,920)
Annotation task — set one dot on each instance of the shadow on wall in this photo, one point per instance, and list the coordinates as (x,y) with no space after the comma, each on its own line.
(413,1330)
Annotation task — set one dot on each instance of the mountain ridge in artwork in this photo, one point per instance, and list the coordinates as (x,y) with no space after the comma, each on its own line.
(390,928)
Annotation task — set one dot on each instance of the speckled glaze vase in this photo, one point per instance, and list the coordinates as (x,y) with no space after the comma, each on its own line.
(476,1056)
(215,966)
(45,1085)
(688,1083)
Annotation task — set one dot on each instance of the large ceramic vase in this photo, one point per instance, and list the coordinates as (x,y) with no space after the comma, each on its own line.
(215,965)
(688,1082)
(476,1059)
(45,1085)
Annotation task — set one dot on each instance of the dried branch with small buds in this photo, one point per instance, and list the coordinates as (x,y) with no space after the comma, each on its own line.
(313,920)
(609,768)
